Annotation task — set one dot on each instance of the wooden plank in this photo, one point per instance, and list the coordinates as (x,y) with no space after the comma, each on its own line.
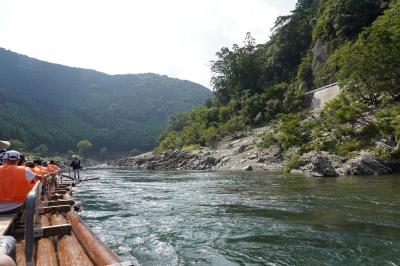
(45,250)
(69,250)
(20,249)
(5,222)
(60,191)
(55,209)
(45,231)
(55,197)
(58,203)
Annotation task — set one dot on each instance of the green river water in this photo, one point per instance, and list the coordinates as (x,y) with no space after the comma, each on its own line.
(234,218)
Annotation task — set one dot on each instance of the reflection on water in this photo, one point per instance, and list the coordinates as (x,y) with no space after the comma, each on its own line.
(210,218)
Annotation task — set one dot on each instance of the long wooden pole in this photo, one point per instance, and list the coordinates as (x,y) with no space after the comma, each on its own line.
(95,248)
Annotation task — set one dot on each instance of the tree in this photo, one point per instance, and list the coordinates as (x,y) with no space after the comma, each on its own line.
(18,145)
(371,66)
(41,150)
(134,152)
(84,146)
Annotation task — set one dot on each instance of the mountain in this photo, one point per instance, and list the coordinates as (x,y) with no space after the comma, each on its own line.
(354,43)
(56,105)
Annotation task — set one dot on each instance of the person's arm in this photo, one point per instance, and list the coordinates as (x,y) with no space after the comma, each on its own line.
(30,176)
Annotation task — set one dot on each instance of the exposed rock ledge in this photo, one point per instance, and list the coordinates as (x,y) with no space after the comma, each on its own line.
(240,152)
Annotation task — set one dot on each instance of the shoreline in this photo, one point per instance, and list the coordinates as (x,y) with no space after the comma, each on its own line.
(240,152)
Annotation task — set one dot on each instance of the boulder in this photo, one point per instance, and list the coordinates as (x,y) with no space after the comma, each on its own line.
(248,168)
(315,164)
(367,164)
(240,149)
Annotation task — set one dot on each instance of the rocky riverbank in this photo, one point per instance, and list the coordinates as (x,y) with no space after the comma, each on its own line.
(241,152)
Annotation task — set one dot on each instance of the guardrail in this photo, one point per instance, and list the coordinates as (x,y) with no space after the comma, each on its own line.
(31,216)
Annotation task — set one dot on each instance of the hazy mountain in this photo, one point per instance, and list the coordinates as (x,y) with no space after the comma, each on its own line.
(56,105)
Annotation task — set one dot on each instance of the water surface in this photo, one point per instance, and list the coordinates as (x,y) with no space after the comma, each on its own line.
(213,218)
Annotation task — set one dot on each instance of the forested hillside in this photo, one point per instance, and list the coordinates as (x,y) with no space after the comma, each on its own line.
(353,42)
(50,106)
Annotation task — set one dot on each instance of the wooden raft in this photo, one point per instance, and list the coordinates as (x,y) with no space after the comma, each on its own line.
(61,237)
(5,222)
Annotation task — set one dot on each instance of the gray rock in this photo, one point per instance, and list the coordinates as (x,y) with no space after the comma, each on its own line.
(367,164)
(248,168)
(315,164)
(240,149)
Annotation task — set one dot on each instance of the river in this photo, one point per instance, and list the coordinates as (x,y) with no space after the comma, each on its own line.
(234,218)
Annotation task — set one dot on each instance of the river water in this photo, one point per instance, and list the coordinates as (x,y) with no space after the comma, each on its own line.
(234,218)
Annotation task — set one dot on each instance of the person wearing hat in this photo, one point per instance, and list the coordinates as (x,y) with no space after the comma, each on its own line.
(4,145)
(15,183)
(76,165)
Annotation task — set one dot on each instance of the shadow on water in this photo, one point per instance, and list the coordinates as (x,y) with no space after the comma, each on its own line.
(231,218)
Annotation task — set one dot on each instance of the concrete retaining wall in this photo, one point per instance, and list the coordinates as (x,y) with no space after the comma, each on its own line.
(319,97)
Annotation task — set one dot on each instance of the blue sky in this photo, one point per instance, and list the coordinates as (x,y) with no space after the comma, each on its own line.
(177,38)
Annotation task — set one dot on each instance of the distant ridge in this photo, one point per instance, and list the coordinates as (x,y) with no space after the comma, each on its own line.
(56,105)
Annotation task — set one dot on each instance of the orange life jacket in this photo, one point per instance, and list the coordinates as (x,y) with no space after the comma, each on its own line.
(14,187)
(53,167)
(45,170)
(38,172)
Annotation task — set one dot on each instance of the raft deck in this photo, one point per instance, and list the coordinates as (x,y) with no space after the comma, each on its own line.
(50,232)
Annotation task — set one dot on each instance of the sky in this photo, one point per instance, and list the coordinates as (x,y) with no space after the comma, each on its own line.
(177,38)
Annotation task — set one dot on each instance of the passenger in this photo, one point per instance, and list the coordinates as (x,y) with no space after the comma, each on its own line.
(36,170)
(45,170)
(53,167)
(4,145)
(22,159)
(15,183)
(76,165)
(6,260)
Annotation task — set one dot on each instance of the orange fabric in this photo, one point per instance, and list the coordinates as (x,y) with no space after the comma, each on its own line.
(53,167)
(38,172)
(14,186)
(45,170)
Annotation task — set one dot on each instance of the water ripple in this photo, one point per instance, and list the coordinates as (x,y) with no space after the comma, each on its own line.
(209,218)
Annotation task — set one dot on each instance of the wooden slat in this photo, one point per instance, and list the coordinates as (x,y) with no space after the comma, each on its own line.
(45,250)
(55,209)
(44,231)
(59,202)
(69,250)
(5,222)
(20,249)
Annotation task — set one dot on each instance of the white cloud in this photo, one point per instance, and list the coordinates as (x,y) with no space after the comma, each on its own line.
(175,37)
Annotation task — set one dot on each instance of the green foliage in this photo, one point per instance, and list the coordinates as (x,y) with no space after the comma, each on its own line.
(134,152)
(291,164)
(41,150)
(268,139)
(388,120)
(370,66)
(346,147)
(343,109)
(58,105)
(255,84)
(191,147)
(170,140)
(84,146)
(18,145)
(290,131)
(342,20)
